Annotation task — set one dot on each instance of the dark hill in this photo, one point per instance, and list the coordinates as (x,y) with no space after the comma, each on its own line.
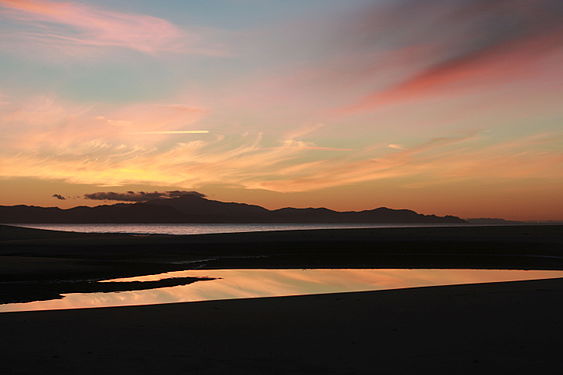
(196,209)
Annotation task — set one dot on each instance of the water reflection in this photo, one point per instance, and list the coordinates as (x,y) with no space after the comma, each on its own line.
(265,283)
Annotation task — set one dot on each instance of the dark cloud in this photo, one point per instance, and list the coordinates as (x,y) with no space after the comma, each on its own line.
(181,193)
(58,196)
(140,196)
(465,26)
(443,40)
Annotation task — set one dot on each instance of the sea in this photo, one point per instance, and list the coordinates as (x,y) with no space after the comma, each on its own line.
(186,229)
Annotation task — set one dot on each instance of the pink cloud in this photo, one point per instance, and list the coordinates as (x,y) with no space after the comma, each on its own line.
(383,55)
(513,61)
(70,26)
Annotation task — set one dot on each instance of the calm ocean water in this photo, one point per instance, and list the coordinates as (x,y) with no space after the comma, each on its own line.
(180,229)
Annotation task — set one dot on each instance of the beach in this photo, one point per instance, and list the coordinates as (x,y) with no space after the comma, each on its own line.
(499,327)
(464,329)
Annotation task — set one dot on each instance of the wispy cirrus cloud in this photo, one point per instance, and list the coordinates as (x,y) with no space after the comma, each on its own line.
(437,161)
(51,140)
(46,126)
(73,27)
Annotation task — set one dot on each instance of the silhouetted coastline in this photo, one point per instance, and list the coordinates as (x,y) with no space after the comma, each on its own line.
(198,209)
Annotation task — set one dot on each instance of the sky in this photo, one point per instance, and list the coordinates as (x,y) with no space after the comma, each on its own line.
(441,106)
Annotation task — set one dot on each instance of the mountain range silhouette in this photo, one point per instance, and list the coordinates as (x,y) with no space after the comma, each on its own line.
(197,209)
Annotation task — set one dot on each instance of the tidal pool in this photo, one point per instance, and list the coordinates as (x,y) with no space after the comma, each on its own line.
(252,283)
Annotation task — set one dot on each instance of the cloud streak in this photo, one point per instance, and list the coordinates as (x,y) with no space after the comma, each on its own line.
(167,132)
(71,26)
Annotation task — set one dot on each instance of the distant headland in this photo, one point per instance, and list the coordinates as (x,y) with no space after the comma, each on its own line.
(196,208)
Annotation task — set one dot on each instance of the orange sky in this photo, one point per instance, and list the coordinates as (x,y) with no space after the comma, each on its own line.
(447,108)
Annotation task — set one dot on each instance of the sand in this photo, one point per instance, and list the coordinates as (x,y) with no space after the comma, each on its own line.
(67,255)
(497,328)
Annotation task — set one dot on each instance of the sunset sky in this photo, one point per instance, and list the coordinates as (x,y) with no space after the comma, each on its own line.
(441,106)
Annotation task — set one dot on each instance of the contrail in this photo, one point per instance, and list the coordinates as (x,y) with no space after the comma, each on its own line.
(174,132)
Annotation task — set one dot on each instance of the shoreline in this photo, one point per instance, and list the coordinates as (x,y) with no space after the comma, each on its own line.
(58,227)
(35,256)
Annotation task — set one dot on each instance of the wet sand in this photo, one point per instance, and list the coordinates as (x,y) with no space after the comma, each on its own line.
(38,254)
(499,328)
